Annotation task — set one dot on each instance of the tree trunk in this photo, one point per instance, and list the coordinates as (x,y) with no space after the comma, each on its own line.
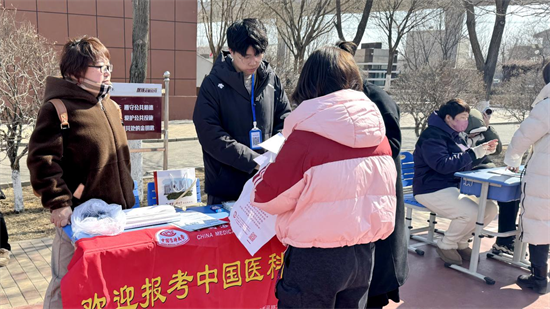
(487,67)
(494,46)
(298,61)
(13,147)
(363,23)
(17,191)
(338,23)
(389,70)
(474,42)
(140,41)
(417,127)
(138,73)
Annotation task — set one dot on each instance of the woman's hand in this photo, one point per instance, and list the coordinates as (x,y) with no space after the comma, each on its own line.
(513,169)
(61,216)
(492,146)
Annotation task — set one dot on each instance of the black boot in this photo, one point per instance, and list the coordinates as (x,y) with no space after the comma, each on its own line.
(536,281)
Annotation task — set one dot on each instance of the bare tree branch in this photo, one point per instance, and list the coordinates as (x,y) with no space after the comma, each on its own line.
(396,24)
(217,16)
(437,43)
(487,66)
(26,59)
(362,23)
(518,92)
(301,22)
(422,90)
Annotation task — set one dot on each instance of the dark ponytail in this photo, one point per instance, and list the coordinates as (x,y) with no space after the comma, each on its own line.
(350,47)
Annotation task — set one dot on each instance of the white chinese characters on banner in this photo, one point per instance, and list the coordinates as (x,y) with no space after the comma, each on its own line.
(143,128)
(141,106)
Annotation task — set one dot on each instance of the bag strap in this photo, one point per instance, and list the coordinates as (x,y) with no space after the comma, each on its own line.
(61,113)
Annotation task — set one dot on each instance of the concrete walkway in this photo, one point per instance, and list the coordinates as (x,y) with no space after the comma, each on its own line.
(25,280)
(430,285)
(184,150)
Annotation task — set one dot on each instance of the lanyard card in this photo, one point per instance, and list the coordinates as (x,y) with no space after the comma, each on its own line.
(255,138)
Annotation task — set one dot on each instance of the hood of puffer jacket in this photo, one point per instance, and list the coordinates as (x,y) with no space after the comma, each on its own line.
(543,94)
(475,121)
(347,117)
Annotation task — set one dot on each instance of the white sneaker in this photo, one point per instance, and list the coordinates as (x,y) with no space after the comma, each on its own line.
(4,257)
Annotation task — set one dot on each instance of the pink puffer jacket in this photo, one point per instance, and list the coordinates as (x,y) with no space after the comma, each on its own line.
(333,182)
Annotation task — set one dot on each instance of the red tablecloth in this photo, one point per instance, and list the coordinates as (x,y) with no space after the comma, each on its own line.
(204,269)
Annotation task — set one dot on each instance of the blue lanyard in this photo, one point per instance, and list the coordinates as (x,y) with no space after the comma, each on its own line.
(252,103)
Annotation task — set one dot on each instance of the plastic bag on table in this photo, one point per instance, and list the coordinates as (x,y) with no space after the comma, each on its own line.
(96,217)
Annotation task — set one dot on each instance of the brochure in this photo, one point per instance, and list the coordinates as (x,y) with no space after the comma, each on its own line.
(192,221)
(505,172)
(253,226)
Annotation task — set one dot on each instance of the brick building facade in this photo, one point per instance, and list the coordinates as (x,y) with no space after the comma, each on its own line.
(172,38)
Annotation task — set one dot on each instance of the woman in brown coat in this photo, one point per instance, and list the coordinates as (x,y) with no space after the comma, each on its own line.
(88,158)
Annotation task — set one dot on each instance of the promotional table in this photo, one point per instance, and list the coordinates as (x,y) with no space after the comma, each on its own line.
(166,267)
(488,185)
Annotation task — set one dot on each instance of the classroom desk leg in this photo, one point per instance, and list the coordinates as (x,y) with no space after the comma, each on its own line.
(477,239)
(518,259)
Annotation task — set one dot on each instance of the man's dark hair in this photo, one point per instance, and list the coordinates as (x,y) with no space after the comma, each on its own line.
(80,53)
(546,73)
(453,108)
(327,70)
(247,32)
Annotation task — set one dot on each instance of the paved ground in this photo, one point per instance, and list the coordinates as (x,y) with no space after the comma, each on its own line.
(184,149)
(24,281)
(430,285)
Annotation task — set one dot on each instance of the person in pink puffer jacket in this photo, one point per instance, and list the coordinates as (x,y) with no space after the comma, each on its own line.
(332,186)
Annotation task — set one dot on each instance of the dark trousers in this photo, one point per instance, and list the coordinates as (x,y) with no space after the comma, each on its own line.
(382,300)
(507,214)
(326,277)
(213,200)
(538,256)
(4,234)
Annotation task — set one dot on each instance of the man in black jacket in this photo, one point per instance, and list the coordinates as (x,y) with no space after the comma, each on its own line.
(240,103)
(390,267)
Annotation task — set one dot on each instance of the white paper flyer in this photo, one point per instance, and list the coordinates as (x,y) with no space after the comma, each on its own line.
(253,226)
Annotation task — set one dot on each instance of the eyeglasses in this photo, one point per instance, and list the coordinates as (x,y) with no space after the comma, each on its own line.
(249,59)
(103,68)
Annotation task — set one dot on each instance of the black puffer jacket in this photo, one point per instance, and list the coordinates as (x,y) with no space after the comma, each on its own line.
(390,268)
(223,120)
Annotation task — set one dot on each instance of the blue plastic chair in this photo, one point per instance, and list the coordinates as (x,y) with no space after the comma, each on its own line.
(136,195)
(407,174)
(151,194)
